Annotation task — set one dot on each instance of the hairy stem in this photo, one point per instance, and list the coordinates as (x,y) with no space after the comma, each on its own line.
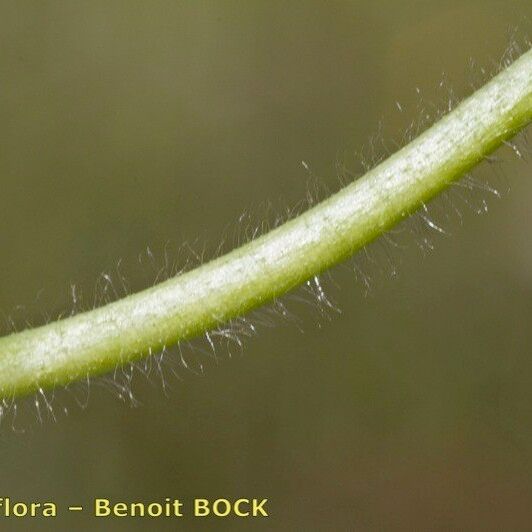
(192,303)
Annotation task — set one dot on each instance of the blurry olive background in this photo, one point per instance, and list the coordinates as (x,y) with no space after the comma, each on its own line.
(131,124)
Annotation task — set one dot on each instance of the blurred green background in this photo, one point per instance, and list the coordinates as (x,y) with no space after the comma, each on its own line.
(132,124)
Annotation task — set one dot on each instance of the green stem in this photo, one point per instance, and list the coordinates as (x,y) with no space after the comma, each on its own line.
(190,304)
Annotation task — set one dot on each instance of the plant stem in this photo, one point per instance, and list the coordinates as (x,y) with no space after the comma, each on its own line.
(192,303)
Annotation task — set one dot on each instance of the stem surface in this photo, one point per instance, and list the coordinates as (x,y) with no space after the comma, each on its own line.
(194,302)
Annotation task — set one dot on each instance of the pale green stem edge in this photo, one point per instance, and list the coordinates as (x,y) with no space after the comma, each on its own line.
(194,302)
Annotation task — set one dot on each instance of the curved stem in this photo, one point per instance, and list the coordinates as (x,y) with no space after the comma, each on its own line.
(185,306)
